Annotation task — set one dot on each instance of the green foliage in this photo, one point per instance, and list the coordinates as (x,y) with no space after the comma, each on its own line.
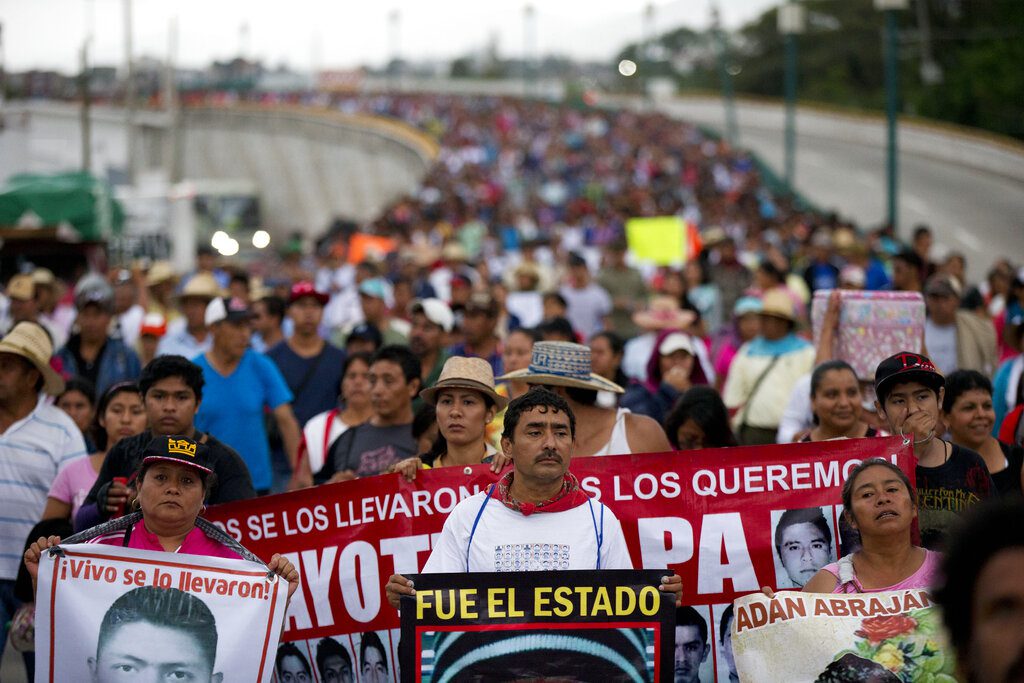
(978,44)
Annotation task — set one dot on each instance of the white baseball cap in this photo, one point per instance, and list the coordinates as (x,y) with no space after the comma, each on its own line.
(437,312)
(677,341)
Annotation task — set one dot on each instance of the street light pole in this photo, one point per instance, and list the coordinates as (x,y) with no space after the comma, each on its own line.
(129,91)
(529,40)
(731,135)
(791,23)
(892,95)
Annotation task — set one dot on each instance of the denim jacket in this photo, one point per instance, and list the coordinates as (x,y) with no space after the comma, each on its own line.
(117,363)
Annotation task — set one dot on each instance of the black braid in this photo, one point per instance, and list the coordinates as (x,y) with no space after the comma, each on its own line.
(128,521)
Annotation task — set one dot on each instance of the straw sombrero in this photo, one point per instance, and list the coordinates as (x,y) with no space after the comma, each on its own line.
(562,364)
(30,341)
(460,372)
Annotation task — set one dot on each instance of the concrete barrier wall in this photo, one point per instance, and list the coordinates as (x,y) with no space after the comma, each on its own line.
(943,142)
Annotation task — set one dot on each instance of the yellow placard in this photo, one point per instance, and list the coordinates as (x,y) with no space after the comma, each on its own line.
(660,240)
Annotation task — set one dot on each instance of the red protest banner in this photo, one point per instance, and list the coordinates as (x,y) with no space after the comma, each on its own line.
(711,516)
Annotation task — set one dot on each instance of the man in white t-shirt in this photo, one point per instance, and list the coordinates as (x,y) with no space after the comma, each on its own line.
(536,517)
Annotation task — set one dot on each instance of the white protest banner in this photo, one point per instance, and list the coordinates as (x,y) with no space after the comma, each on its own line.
(103,612)
(891,637)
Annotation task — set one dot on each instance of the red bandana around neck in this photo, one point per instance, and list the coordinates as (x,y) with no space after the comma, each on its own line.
(568,497)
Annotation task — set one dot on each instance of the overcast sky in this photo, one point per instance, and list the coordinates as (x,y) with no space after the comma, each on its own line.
(338,33)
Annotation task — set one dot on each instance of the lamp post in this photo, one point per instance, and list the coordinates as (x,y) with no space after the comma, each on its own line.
(892,86)
(791,24)
(529,47)
(731,135)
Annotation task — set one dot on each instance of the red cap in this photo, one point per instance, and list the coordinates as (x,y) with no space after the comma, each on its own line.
(306,288)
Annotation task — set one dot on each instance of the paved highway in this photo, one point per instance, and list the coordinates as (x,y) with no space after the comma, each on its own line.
(977,213)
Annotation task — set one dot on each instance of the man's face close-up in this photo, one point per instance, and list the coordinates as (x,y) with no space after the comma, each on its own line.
(390,393)
(803,552)
(691,651)
(336,670)
(425,337)
(170,406)
(543,444)
(997,638)
(375,666)
(131,654)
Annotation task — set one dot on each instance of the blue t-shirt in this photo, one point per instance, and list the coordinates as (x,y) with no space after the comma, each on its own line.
(319,378)
(232,409)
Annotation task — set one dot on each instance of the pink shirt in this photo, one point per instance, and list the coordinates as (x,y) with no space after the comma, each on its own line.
(196,542)
(924,577)
(73,483)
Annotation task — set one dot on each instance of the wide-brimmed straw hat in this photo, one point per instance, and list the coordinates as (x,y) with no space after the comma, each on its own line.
(201,286)
(160,271)
(460,372)
(562,364)
(31,342)
(777,303)
(664,313)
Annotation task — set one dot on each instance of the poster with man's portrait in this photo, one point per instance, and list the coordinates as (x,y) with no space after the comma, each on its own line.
(370,657)
(105,611)
(804,541)
(725,661)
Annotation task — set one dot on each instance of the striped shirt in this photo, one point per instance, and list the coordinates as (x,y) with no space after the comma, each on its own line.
(31,451)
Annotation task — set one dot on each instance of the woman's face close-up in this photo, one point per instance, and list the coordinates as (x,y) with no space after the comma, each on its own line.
(171,494)
(355,385)
(881,502)
(971,418)
(78,407)
(517,351)
(462,415)
(603,361)
(124,416)
(837,401)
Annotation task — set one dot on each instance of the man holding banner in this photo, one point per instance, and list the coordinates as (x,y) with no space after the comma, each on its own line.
(536,517)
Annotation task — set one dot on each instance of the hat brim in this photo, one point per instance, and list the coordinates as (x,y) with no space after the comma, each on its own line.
(678,320)
(178,461)
(320,297)
(781,315)
(53,383)
(430,393)
(930,379)
(595,383)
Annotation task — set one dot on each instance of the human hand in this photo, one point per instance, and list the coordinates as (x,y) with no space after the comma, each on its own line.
(118,496)
(768,591)
(300,480)
(920,424)
(677,377)
(280,565)
(396,587)
(35,551)
(831,319)
(499,462)
(673,584)
(407,468)
(344,475)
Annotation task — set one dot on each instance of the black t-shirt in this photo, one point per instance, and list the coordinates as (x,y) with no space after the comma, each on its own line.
(124,459)
(1007,480)
(947,491)
(368,450)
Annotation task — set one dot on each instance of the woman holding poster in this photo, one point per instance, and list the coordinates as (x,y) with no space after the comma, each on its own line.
(466,401)
(173,482)
(880,503)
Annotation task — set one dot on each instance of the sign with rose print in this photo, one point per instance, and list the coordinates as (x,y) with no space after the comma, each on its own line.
(892,637)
